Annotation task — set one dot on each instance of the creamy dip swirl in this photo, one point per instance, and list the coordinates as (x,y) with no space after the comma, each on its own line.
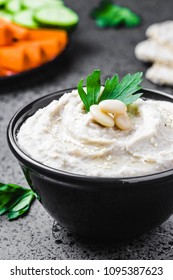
(64,137)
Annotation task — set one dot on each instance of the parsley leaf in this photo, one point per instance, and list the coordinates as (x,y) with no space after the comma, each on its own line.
(123,90)
(15,200)
(108,14)
(93,85)
(110,86)
(114,89)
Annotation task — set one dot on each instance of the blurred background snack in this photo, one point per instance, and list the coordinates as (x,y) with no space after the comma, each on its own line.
(158,49)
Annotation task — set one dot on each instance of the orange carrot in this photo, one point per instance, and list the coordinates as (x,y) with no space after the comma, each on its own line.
(22,49)
(14,58)
(5,34)
(18,32)
(47,34)
(6,72)
(42,34)
(32,51)
(54,40)
(10,32)
(50,49)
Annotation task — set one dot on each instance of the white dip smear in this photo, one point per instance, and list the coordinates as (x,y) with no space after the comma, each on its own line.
(64,137)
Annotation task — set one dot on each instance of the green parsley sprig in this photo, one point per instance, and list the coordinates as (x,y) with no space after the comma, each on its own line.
(108,14)
(15,200)
(114,89)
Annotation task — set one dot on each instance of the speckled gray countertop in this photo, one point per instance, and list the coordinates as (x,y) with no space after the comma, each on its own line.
(37,236)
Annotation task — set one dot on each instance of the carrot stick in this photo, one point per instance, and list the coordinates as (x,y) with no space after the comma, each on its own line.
(14,58)
(10,32)
(5,34)
(22,49)
(18,32)
(42,34)
(5,72)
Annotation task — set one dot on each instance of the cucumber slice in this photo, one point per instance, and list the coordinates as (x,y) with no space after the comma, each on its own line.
(25,18)
(34,4)
(5,15)
(2,2)
(61,17)
(13,6)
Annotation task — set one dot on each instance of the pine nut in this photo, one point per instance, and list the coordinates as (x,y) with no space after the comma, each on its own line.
(113,106)
(123,121)
(101,117)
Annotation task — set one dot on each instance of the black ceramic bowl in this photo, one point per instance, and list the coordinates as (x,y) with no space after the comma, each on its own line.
(118,208)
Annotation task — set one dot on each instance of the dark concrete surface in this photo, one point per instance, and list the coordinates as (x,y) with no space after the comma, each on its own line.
(37,236)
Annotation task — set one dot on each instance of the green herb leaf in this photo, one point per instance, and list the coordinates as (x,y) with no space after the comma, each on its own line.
(13,215)
(83,95)
(107,14)
(15,200)
(110,86)
(130,19)
(123,90)
(93,85)
(114,89)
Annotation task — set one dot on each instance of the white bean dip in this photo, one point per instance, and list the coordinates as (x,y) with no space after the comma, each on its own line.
(64,137)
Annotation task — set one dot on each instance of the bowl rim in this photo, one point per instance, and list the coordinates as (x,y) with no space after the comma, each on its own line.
(56,173)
